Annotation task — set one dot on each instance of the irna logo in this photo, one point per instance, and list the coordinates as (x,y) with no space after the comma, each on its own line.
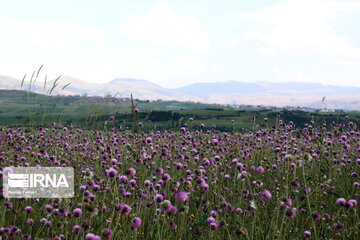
(37,180)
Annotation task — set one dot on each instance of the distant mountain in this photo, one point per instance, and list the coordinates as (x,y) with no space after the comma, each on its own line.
(141,89)
(230,87)
(231,92)
(277,94)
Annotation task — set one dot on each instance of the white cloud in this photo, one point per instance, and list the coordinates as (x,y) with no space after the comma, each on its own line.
(52,33)
(147,66)
(345,62)
(303,27)
(217,69)
(189,64)
(162,26)
(291,76)
(265,51)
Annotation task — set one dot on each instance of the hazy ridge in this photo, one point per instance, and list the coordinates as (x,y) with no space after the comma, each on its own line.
(230,92)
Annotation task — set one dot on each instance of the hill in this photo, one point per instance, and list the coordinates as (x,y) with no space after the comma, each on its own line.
(230,92)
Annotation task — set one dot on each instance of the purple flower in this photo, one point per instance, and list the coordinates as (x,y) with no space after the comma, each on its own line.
(107,233)
(112,118)
(260,169)
(9,205)
(111,173)
(316,216)
(76,228)
(30,222)
(341,201)
(211,220)
(28,209)
(354,174)
(91,236)
(351,204)
(136,110)
(158,198)
(48,208)
(77,212)
(290,213)
(148,140)
(307,234)
(266,194)
(126,209)
(213,225)
(181,196)
(160,171)
(338,226)
(136,222)
(166,206)
(287,202)
(131,172)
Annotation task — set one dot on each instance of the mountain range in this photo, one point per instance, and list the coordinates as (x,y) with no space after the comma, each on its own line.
(230,92)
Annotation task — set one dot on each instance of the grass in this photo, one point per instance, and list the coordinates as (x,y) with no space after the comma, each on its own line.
(312,166)
(83,110)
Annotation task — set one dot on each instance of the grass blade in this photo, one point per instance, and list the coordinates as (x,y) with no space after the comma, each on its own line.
(66,86)
(22,82)
(45,82)
(37,74)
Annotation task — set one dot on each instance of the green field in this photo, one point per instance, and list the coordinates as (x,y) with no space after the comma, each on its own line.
(18,109)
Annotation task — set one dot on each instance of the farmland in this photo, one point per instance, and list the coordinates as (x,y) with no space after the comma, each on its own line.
(18,109)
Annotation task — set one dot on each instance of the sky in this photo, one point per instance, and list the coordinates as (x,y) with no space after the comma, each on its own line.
(177,43)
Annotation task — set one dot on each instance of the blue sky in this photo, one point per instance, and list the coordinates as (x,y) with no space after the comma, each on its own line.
(176,43)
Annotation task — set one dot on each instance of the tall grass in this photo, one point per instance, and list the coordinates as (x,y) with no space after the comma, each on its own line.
(33,95)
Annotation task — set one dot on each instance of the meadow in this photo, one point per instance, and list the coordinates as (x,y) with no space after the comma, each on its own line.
(28,109)
(192,181)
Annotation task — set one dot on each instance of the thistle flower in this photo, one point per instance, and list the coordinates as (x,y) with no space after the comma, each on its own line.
(160,171)
(30,222)
(338,226)
(131,172)
(111,173)
(341,201)
(107,233)
(91,236)
(136,222)
(77,212)
(213,225)
(260,170)
(28,209)
(126,209)
(211,220)
(181,196)
(316,216)
(352,203)
(266,194)
(48,208)
(290,213)
(158,198)
(166,206)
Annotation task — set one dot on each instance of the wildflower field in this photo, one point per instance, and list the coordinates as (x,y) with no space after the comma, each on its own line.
(283,182)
